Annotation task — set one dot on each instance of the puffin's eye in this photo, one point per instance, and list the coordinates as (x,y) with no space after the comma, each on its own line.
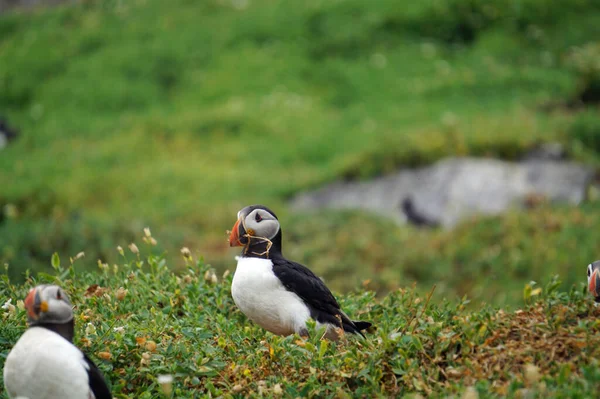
(589,270)
(58,295)
(258,218)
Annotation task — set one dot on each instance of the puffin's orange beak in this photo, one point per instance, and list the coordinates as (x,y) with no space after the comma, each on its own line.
(32,304)
(594,283)
(234,236)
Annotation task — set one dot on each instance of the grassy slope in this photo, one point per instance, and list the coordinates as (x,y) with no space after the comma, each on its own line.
(549,349)
(177,114)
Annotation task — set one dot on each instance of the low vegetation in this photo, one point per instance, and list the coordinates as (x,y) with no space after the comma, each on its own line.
(139,320)
(177,114)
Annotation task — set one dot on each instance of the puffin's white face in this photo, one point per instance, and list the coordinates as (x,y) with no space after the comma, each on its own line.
(593,278)
(253,221)
(261,223)
(48,304)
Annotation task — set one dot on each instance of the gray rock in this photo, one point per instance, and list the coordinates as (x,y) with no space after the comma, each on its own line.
(546,152)
(453,189)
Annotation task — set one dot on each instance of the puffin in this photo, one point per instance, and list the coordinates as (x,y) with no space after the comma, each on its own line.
(44,363)
(276,293)
(593,277)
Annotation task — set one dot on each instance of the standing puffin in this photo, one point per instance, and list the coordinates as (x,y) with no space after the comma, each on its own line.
(44,363)
(276,293)
(593,276)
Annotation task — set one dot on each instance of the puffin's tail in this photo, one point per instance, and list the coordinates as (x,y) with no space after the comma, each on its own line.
(356,327)
(362,325)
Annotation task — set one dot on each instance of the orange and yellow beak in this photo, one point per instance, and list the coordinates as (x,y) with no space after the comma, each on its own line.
(234,236)
(34,305)
(239,236)
(594,286)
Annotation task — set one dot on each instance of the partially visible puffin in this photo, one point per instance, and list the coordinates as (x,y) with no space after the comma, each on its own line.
(593,276)
(44,363)
(276,293)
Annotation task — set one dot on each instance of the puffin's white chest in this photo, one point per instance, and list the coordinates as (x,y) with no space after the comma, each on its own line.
(43,365)
(263,299)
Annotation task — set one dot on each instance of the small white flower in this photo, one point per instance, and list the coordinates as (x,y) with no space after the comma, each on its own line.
(9,306)
(120,330)
(102,266)
(395,336)
(121,293)
(133,248)
(210,277)
(165,379)
(532,374)
(185,251)
(470,393)
(166,383)
(145,360)
(90,329)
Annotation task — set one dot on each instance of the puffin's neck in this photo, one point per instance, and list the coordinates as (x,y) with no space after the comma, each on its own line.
(65,330)
(263,249)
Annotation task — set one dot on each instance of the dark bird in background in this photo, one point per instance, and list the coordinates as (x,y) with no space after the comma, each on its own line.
(413,215)
(44,363)
(276,293)
(7,134)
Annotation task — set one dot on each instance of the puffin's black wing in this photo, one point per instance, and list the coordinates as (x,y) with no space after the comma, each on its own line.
(323,306)
(96,380)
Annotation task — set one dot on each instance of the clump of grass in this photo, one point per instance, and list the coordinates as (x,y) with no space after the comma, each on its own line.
(585,62)
(140,320)
(464,22)
(585,130)
(473,137)
(488,259)
(221,106)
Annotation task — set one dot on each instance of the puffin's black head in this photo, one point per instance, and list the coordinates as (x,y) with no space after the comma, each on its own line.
(48,304)
(253,221)
(593,276)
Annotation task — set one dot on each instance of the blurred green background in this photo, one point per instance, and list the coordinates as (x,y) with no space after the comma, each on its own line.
(174,115)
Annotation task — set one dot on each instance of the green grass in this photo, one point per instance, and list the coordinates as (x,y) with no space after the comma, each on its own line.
(487,259)
(435,348)
(177,114)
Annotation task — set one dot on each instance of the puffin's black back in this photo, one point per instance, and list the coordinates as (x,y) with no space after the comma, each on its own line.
(96,379)
(323,306)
